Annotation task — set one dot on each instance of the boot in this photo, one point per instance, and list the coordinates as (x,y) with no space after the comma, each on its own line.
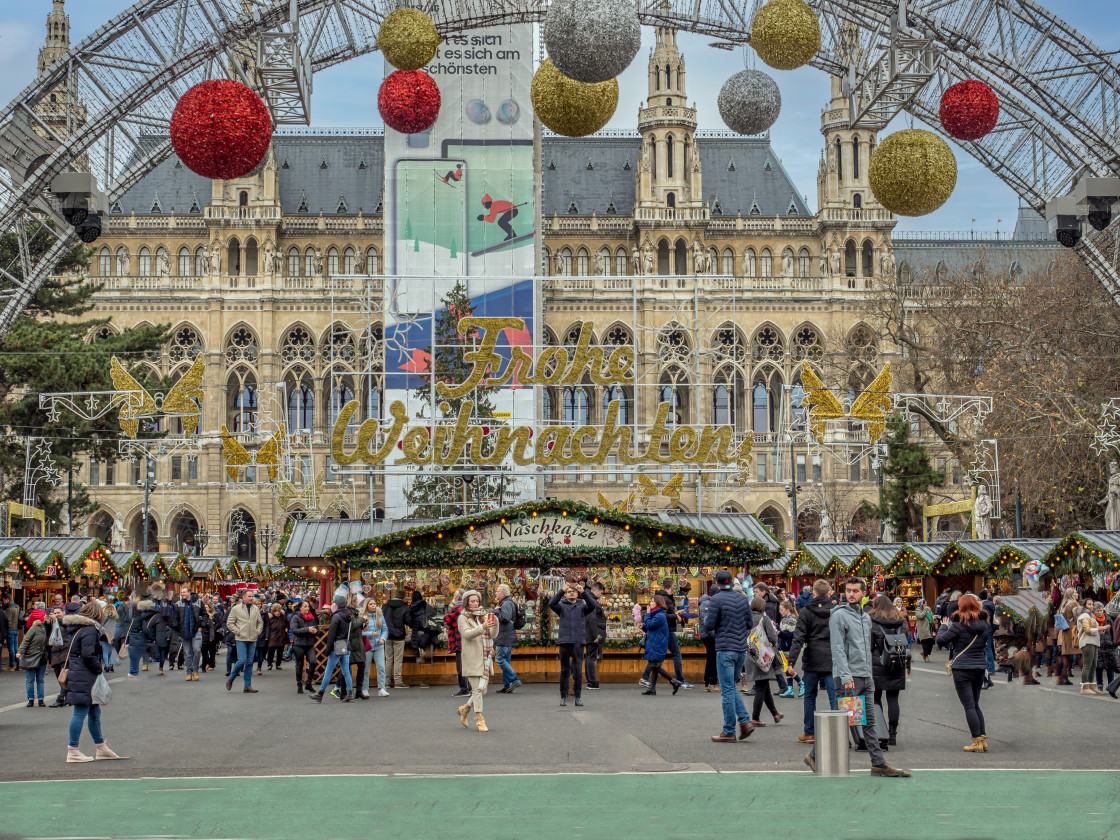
(977,745)
(348,696)
(299,688)
(984,738)
(801,689)
(160,674)
(189,677)
(649,692)
(317,696)
(309,688)
(675,683)
(464,710)
(58,703)
(480,723)
(788,692)
(30,703)
(105,754)
(891,738)
(75,756)
(1087,689)
(42,703)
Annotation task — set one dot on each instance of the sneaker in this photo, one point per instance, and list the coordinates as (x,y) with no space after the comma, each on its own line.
(644,683)
(382,693)
(461,693)
(687,685)
(801,690)
(787,693)
(591,687)
(513,686)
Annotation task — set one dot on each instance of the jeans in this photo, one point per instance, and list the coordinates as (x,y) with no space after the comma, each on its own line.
(13,645)
(246,651)
(231,656)
(967,682)
(81,715)
(502,653)
(866,687)
(376,657)
(591,656)
(193,650)
(304,654)
(729,663)
(394,658)
(710,676)
(675,652)
(344,662)
(990,652)
(135,654)
(33,679)
(813,680)
(106,652)
(571,668)
(163,654)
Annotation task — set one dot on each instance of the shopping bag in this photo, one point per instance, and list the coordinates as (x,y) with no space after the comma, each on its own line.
(56,633)
(855,707)
(114,657)
(101,693)
(759,648)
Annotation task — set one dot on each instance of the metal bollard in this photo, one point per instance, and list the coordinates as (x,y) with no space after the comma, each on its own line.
(831,742)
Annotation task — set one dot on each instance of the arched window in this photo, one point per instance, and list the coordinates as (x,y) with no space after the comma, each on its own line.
(577,406)
(663,257)
(373,264)
(670,199)
(105,262)
(668,152)
(668,79)
(850,258)
(839,160)
(547,405)
(613,393)
(680,257)
(233,258)
(855,158)
(766,400)
(583,262)
(332,261)
(857,201)
(251,257)
(309,262)
(767,267)
(713,258)
(728,262)
(671,394)
(868,259)
(341,394)
(348,261)
(243,199)
(200,261)
(772,518)
(803,263)
(145,262)
(301,406)
(566,261)
(293,262)
(620,262)
(184,262)
(243,402)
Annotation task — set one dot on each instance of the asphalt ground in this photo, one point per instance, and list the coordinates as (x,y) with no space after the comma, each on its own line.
(632,761)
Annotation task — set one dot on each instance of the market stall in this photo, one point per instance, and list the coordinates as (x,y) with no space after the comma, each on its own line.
(534,547)
(66,566)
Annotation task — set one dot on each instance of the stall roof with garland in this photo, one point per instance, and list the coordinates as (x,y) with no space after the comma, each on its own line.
(311,538)
(67,553)
(1093,551)
(647,540)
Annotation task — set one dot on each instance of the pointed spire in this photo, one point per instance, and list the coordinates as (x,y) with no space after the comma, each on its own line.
(57,43)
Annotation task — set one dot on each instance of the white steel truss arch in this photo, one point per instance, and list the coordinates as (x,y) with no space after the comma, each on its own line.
(1059,92)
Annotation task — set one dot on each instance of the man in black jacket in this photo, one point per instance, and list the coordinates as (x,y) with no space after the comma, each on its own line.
(190,621)
(396,622)
(571,605)
(761,590)
(813,637)
(596,634)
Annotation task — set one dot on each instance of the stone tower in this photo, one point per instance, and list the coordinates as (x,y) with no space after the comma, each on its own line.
(55,109)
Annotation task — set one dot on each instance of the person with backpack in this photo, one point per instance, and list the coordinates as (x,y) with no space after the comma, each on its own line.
(511,618)
(890,660)
(396,619)
(139,614)
(425,630)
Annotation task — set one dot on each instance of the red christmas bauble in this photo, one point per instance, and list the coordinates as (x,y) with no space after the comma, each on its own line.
(408,101)
(969,110)
(221,129)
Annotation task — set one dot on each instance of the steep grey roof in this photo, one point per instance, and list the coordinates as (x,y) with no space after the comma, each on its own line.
(320,170)
(71,548)
(738,173)
(743,526)
(173,185)
(310,538)
(924,252)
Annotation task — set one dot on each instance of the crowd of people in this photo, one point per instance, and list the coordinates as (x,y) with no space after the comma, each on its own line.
(849,643)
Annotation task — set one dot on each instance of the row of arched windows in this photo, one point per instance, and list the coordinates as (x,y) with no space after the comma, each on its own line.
(236,260)
(678,259)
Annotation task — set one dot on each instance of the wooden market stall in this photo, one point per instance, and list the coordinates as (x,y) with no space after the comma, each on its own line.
(62,565)
(534,547)
(1089,559)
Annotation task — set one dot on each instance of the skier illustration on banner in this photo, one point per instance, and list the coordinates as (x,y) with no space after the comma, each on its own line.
(453,177)
(502,212)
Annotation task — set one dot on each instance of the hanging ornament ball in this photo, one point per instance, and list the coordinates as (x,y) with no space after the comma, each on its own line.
(408,101)
(912,172)
(221,129)
(408,39)
(571,108)
(592,40)
(786,34)
(969,110)
(749,102)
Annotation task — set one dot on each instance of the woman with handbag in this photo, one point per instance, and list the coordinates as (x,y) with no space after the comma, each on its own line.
(1065,620)
(968,633)
(923,628)
(338,644)
(83,667)
(477,629)
(761,676)
(656,627)
(277,637)
(32,655)
(57,641)
(375,633)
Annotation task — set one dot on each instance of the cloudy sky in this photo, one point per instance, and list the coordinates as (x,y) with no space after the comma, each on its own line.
(346,96)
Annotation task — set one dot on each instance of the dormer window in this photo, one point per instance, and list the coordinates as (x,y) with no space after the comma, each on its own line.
(243,199)
(857,201)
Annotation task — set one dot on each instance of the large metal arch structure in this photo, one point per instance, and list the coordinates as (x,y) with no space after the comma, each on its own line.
(1059,93)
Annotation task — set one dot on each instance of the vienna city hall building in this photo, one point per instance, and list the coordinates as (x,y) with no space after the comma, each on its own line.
(694,246)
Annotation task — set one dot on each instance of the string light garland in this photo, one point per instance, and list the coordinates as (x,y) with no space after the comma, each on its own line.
(749,102)
(409,101)
(912,172)
(571,108)
(786,34)
(592,40)
(408,39)
(221,129)
(969,110)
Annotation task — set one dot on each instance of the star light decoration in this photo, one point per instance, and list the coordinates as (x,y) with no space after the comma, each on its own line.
(1106,440)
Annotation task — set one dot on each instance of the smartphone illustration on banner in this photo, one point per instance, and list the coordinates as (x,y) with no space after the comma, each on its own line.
(431,217)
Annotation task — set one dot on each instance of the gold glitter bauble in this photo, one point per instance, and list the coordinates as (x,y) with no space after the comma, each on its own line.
(786,34)
(408,39)
(571,108)
(912,172)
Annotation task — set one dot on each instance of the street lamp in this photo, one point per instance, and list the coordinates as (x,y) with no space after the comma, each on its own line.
(201,537)
(267,537)
(149,482)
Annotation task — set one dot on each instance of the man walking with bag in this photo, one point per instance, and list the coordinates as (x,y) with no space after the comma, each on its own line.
(850,630)
(245,623)
(729,620)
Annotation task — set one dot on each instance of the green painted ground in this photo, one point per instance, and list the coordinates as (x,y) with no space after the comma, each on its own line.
(936,804)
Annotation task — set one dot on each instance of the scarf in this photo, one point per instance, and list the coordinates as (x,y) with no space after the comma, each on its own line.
(308,616)
(479,617)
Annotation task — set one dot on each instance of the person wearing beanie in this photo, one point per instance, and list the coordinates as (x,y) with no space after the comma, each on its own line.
(711,678)
(477,629)
(338,646)
(245,622)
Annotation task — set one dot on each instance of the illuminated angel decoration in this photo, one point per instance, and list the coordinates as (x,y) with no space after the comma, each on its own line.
(671,489)
(870,406)
(182,401)
(623,506)
(237,456)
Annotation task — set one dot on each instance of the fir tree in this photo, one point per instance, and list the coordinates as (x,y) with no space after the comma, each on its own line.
(438,492)
(49,350)
(907,478)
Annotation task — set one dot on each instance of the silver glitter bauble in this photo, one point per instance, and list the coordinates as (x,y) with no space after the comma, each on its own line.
(749,102)
(592,40)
